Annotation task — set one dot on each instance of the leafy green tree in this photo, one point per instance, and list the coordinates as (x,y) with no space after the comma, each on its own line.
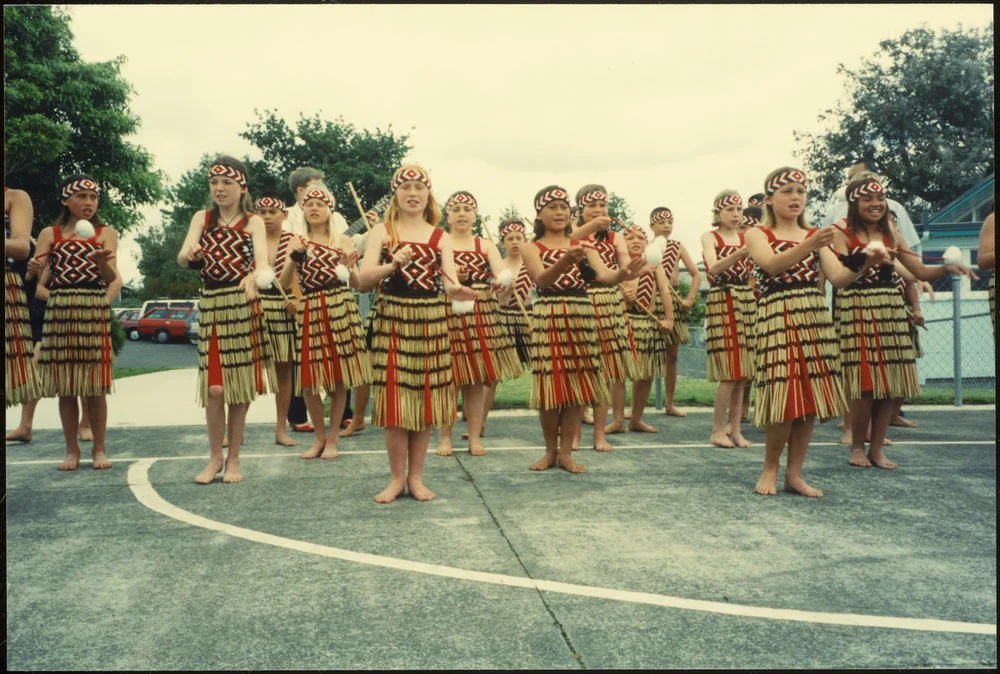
(619,208)
(697,314)
(921,106)
(63,115)
(510,211)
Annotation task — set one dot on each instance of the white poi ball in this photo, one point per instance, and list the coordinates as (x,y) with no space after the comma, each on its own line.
(953,255)
(265,277)
(875,246)
(653,254)
(343,273)
(505,277)
(84,228)
(462,306)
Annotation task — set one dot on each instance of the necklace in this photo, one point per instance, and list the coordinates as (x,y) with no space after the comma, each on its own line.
(231,220)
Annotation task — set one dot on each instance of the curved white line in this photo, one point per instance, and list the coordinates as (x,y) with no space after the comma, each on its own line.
(138,481)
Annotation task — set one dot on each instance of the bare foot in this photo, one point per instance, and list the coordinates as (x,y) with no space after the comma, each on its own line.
(588,418)
(797,484)
(352,429)
(285,441)
(544,463)
(86,434)
(674,412)
(313,451)
(567,463)
(389,494)
(419,491)
(71,462)
(740,441)
(329,452)
(19,434)
(477,449)
(720,439)
(482,434)
(840,425)
(615,427)
(905,423)
(444,447)
(768,482)
(232,473)
(100,460)
(601,445)
(213,468)
(881,461)
(845,437)
(225,442)
(641,427)
(628,414)
(859,459)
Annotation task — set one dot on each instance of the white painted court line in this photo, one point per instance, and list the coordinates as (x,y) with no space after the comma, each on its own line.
(138,481)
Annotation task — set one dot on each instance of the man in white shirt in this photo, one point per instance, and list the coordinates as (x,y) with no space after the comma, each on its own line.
(836,206)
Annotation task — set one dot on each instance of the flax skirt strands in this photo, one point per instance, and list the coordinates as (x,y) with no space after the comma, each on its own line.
(482,351)
(798,368)
(281,326)
(243,346)
(518,329)
(618,358)
(680,333)
(21,381)
(75,358)
(876,351)
(565,356)
(411,359)
(730,314)
(332,347)
(650,345)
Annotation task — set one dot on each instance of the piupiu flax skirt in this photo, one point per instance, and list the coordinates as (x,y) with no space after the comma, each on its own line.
(240,351)
(21,381)
(75,358)
(282,328)
(411,360)
(482,351)
(729,315)
(519,330)
(331,342)
(680,333)
(650,345)
(618,358)
(798,358)
(877,355)
(565,354)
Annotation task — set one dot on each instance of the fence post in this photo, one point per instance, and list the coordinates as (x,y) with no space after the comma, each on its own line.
(956,311)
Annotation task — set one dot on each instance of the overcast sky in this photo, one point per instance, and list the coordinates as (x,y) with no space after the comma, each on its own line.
(666,105)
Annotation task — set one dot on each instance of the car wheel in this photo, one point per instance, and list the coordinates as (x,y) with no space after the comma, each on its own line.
(162,336)
(133,334)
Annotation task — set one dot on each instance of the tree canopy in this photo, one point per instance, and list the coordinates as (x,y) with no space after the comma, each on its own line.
(921,107)
(63,115)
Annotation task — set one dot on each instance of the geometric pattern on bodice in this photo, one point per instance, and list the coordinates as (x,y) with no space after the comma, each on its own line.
(279,254)
(606,250)
(571,278)
(478,264)
(804,271)
(317,270)
(522,287)
(738,273)
(228,254)
(644,292)
(671,254)
(872,275)
(422,271)
(70,263)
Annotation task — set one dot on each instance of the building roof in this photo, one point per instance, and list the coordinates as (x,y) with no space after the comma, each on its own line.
(969,207)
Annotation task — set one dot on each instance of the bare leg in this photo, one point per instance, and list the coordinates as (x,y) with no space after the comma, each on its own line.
(588,418)
(86,434)
(670,382)
(97,411)
(640,395)
(600,421)
(444,447)
(281,401)
(550,430)
(723,398)
(735,416)
(798,443)
(861,414)
(882,411)
(897,419)
(845,425)
(489,390)
(775,438)
(237,423)
(396,445)
(215,419)
(617,424)
(472,401)
(576,437)
(23,432)
(314,405)
(69,413)
(361,394)
(416,453)
(337,402)
(570,419)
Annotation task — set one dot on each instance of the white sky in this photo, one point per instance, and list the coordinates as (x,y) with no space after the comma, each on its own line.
(663,104)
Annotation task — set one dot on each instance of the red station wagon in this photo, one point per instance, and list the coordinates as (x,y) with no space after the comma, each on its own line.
(162,324)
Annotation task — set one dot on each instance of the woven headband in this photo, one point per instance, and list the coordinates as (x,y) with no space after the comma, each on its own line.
(548,196)
(228,172)
(588,198)
(322,195)
(636,229)
(406,173)
(727,201)
(462,198)
(511,227)
(754,201)
(659,215)
(78,186)
(870,187)
(749,221)
(270,202)
(784,178)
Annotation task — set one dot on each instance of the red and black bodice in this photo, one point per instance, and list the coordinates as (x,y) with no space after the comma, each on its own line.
(644,291)
(802,274)
(522,285)
(228,252)
(421,275)
(736,274)
(671,254)
(571,279)
(476,263)
(70,264)
(883,276)
(317,269)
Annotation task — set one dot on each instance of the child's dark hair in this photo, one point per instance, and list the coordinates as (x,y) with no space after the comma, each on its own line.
(754,212)
(539,226)
(64,214)
(246,201)
(854,220)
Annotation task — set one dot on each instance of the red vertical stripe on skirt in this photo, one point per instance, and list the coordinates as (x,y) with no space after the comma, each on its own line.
(586,391)
(863,364)
(214,360)
(730,340)
(255,323)
(307,378)
(428,406)
(392,411)
(484,348)
(331,359)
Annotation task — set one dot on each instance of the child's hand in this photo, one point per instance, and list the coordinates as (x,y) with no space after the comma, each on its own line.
(35,266)
(464,293)
(686,305)
(291,306)
(249,286)
(463,273)
(351,258)
(194,253)
(372,218)
(634,268)
(402,256)
(666,325)
(575,253)
(629,292)
(102,256)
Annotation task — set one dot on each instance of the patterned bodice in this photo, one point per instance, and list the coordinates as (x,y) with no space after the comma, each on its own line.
(738,273)
(477,263)
(671,254)
(316,271)
(70,263)
(422,271)
(645,290)
(228,252)
(571,278)
(281,252)
(884,274)
(606,249)
(804,272)
(522,285)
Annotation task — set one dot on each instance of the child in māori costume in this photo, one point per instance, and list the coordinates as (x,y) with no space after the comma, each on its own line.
(661,222)
(22,384)
(751,218)
(228,243)
(516,299)
(648,330)
(76,357)
(986,261)
(730,312)
(411,350)
(566,360)
(330,349)
(482,352)
(878,360)
(618,357)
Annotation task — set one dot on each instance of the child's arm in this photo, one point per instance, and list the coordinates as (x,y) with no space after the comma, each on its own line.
(452,287)
(776,263)
(371,270)
(692,269)
(543,277)
(599,224)
(20,213)
(987,245)
(295,244)
(608,277)
(923,272)
(663,286)
(351,255)
(715,265)
(105,255)
(190,250)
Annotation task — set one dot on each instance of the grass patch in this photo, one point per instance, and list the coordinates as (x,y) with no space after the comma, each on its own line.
(690,391)
(946,396)
(122,372)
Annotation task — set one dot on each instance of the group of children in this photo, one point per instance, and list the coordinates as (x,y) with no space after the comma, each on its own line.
(452,314)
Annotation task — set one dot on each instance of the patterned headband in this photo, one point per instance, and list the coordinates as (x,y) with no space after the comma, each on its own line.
(271,202)
(322,195)
(588,198)
(784,178)
(406,173)
(78,186)
(548,196)
(462,198)
(727,201)
(511,227)
(749,221)
(636,229)
(755,201)
(660,214)
(228,172)
(869,187)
